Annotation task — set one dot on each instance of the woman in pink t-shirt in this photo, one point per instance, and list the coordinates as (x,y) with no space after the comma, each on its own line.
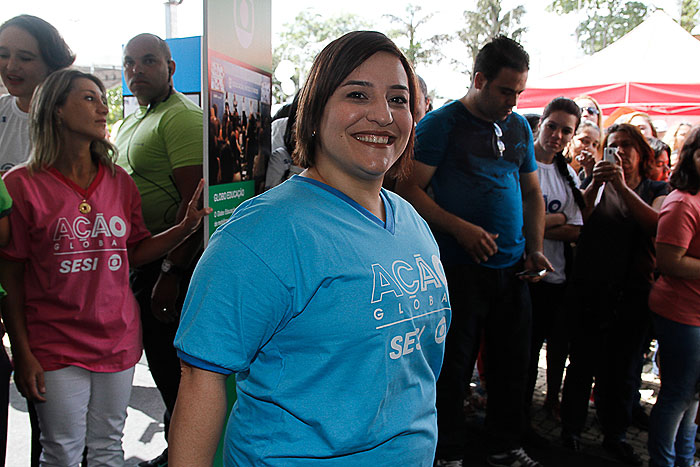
(70,314)
(675,301)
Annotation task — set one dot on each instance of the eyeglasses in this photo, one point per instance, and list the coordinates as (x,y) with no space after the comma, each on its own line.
(591,110)
(499,147)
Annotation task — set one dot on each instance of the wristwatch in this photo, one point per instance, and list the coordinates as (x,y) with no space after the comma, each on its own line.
(168,267)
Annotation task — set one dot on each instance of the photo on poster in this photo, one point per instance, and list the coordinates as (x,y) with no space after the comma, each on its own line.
(239,133)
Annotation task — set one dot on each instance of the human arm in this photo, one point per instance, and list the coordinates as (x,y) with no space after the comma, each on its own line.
(154,247)
(198,417)
(646,216)
(29,375)
(476,241)
(673,261)
(167,287)
(4,231)
(533,226)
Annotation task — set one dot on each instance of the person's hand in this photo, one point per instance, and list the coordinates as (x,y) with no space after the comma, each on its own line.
(604,171)
(194,215)
(164,298)
(29,377)
(536,261)
(478,243)
(617,178)
(587,160)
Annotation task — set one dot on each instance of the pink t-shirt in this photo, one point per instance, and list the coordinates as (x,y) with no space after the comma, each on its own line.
(79,306)
(679,225)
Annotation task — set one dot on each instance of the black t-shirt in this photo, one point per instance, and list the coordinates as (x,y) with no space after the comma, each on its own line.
(614,251)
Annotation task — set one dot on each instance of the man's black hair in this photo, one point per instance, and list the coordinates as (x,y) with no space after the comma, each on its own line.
(501,52)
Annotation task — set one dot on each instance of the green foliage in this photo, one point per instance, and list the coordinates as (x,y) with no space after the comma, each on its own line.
(417,51)
(303,38)
(116,107)
(605,20)
(485,23)
(689,13)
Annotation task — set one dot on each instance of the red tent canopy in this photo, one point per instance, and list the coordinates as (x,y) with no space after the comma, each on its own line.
(654,68)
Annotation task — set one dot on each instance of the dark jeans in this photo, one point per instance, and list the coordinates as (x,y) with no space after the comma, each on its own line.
(549,306)
(5,371)
(158,337)
(610,327)
(496,302)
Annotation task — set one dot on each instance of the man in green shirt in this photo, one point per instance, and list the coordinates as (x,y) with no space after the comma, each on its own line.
(161,147)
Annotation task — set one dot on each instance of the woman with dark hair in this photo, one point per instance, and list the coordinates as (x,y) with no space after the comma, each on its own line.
(675,302)
(76,226)
(611,279)
(563,203)
(661,165)
(323,280)
(30,49)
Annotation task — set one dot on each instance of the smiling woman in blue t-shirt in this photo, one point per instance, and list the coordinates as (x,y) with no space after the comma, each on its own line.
(325,296)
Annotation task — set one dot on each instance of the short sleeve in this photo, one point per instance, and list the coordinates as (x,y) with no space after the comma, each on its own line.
(234,305)
(571,209)
(5,200)
(20,220)
(182,133)
(529,163)
(678,223)
(432,136)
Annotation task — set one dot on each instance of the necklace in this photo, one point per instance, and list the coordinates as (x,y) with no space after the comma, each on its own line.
(84,207)
(83,194)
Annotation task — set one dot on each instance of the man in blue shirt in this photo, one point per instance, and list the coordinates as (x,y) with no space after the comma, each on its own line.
(487,213)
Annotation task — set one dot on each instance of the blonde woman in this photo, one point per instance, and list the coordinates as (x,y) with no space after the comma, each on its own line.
(71,317)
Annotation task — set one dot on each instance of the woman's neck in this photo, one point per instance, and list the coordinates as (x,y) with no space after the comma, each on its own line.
(24,103)
(633,181)
(75,163)
(364,194)
(542,155)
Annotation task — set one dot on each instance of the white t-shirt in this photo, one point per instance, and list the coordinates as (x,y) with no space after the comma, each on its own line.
(557,198)
(14,133)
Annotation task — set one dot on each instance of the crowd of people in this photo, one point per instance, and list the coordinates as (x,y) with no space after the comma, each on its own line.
(326,296)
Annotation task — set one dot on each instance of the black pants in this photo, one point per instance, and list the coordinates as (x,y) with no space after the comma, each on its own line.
(5,371)
(158,337)
(548,323)
(496,302)
(610,330)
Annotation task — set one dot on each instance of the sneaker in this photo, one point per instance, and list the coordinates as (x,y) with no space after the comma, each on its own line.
(513,458)
(160,461)
(622,451)
(444,463)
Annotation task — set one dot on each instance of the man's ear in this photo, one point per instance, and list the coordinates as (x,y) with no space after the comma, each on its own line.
(171,68)
(479,80)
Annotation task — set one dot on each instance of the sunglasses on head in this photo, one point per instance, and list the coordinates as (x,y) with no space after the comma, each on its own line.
(591,110)
(498,145)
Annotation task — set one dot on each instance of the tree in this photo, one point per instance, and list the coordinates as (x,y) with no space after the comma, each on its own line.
(417,52)
(689,14)
(115,105)
(487,22)
(302,39)
(604,21)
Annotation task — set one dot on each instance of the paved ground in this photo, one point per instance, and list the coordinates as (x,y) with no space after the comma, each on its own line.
(143,434)
(555,455)
(143,438)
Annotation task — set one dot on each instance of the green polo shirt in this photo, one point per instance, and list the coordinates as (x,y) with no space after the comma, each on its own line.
(154,141)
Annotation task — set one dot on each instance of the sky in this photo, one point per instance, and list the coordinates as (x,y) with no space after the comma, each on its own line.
(96,29)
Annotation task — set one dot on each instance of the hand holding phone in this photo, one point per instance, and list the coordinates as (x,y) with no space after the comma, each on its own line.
(610,155)
(528,273)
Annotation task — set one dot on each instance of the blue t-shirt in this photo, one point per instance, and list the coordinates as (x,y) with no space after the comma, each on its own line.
(334,323)
(472,182)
